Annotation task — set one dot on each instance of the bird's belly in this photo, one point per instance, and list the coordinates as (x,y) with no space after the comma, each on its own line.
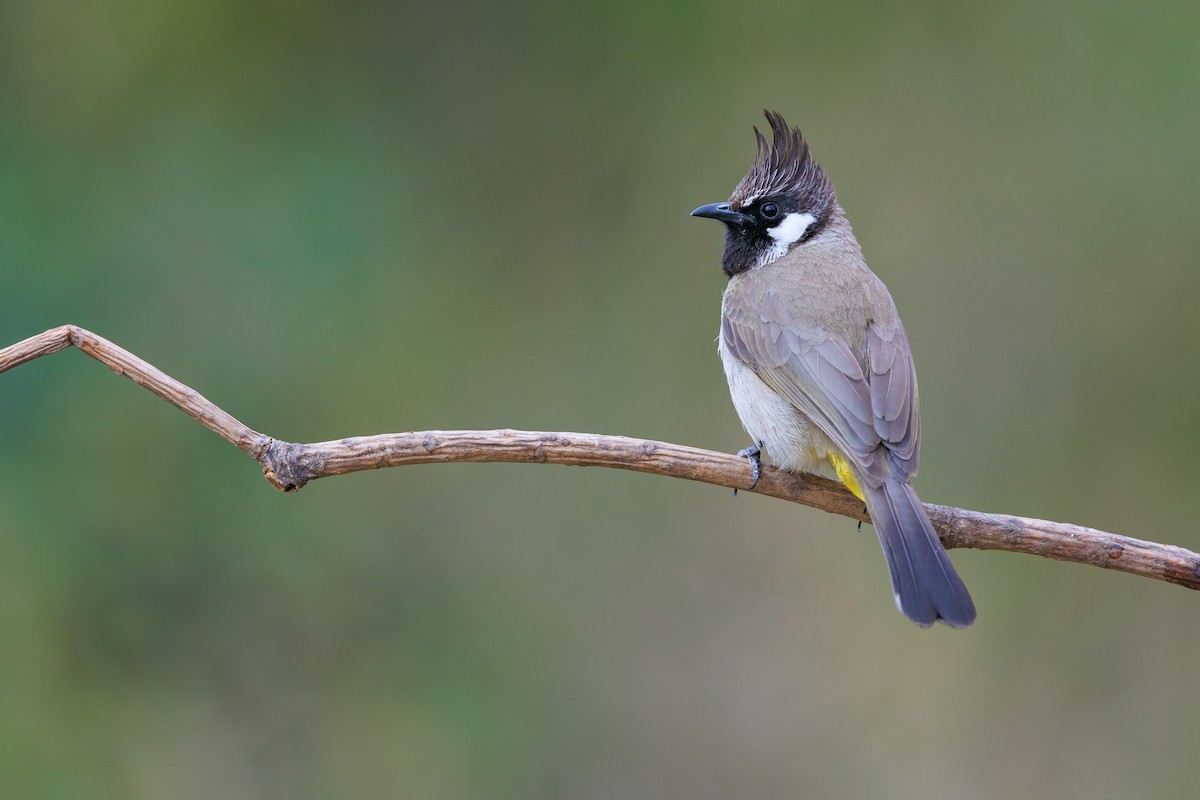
(793,442)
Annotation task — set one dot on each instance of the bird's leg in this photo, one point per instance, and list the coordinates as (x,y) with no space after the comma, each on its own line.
(752,454)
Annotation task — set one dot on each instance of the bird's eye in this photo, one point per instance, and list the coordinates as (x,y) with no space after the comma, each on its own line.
(769,210)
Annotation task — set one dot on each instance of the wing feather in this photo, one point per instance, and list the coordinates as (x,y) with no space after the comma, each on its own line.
(868,410)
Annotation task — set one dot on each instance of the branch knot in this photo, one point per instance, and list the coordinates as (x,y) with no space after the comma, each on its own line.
(281,467)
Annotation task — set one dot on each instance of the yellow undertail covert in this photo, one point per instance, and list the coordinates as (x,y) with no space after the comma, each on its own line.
(842,467)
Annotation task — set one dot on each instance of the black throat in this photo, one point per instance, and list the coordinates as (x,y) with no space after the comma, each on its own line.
(743,249)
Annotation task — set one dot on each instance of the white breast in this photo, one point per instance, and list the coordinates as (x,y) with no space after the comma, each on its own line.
(787,435)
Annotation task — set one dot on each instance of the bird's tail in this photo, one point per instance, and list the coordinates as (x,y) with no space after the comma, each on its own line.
(924,581)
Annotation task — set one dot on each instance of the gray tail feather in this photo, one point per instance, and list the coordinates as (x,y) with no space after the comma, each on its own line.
(924,581)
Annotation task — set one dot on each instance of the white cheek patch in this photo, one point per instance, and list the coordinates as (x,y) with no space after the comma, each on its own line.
(784,235)
(791,228)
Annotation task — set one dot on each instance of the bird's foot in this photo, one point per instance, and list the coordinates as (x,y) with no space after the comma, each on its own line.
(753,454)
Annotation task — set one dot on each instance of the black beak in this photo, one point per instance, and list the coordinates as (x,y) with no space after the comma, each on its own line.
(723,212)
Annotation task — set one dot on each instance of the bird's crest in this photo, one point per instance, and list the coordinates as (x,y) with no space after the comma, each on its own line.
(783,166)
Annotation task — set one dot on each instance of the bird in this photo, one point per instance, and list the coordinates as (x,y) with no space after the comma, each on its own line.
(819,367)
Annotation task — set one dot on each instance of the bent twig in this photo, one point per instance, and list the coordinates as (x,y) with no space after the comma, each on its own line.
(288,466)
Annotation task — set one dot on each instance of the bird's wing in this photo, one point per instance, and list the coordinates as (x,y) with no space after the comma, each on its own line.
(872,415)
(895,401)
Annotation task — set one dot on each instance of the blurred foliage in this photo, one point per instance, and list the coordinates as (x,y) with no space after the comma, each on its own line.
(344,218)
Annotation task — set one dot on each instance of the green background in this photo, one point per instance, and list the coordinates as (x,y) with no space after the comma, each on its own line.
(348,218)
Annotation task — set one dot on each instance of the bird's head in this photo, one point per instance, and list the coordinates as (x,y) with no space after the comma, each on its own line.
(784,201)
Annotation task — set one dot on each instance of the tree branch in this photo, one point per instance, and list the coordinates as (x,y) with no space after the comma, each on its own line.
(288,466)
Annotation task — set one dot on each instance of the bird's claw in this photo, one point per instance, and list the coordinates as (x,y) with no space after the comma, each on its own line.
(752,454)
